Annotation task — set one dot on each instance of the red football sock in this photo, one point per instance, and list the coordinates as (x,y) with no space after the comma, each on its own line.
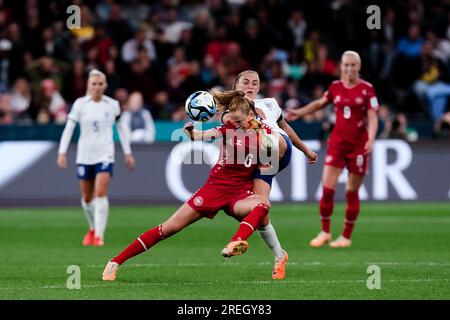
(141,244)
(251,222)
(351,213)
(326,208)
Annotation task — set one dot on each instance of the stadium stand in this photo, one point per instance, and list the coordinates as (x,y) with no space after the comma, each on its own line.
(165,50)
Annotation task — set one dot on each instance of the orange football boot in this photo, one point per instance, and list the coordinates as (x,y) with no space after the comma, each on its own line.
(278,269)
(235,248)
(110,272)
(341,242)
(320,239)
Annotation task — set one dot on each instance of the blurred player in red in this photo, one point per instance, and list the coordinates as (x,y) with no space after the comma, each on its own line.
(349,145)
(229,185)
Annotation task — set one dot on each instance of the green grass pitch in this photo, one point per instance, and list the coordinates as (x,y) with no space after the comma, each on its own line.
(409,242)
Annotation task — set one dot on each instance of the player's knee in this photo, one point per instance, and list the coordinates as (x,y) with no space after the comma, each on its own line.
(169,230)
(262,200)
(351,190)
(98,193)
(264,223)
(87,198)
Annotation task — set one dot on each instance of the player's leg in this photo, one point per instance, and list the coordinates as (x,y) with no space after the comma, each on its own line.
(252,210)
(357,166)
(330,177)
(351,212)
(87,181)
(183,217)
(102,180)
(267,231)
(87,203)
(268,234)
(262,185)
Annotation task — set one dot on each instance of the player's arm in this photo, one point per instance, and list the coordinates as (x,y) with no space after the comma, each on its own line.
(124,139)
(297,142)
(294,114)
(64,143)
(372,129)
(199,135)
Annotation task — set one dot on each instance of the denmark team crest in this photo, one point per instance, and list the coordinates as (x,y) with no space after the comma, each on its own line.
(198,201)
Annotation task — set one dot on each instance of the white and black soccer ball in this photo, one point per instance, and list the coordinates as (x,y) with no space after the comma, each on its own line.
(200,106)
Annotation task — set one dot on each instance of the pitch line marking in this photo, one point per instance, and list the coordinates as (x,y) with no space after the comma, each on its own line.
(265,263)
(262,282)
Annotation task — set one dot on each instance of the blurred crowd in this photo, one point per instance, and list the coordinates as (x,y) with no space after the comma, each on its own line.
(155,53)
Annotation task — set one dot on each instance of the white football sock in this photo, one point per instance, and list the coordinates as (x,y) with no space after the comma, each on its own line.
(269,235)
(101,215)
(89,212)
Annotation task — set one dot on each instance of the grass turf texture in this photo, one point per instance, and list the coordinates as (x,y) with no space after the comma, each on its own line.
(408,241)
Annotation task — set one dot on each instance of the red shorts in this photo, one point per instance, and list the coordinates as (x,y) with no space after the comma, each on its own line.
(210,198)
(355,160)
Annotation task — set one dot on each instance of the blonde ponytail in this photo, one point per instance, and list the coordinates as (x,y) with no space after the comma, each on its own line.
(232,100)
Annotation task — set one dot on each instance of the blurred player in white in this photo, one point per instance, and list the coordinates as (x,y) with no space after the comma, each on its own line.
(96,114)
(270,113)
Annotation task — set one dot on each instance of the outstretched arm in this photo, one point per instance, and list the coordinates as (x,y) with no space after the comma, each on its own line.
(197,135)
(297,142)
(311,107)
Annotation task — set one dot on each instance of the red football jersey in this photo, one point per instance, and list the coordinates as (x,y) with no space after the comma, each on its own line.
(351,106)
(238,157)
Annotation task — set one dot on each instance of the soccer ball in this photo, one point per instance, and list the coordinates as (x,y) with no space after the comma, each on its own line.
(200,106)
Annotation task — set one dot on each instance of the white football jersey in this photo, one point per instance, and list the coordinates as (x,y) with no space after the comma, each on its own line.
(272,112)
(96,120)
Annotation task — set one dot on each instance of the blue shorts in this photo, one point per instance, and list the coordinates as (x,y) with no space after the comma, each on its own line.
(89,171)
(284,162)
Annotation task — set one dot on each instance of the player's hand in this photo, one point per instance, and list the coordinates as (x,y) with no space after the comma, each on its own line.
(369,146)
(312,156)
(130,162)
(188,129)
(264,167)
(293,114)
(254,124)
(61,161)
